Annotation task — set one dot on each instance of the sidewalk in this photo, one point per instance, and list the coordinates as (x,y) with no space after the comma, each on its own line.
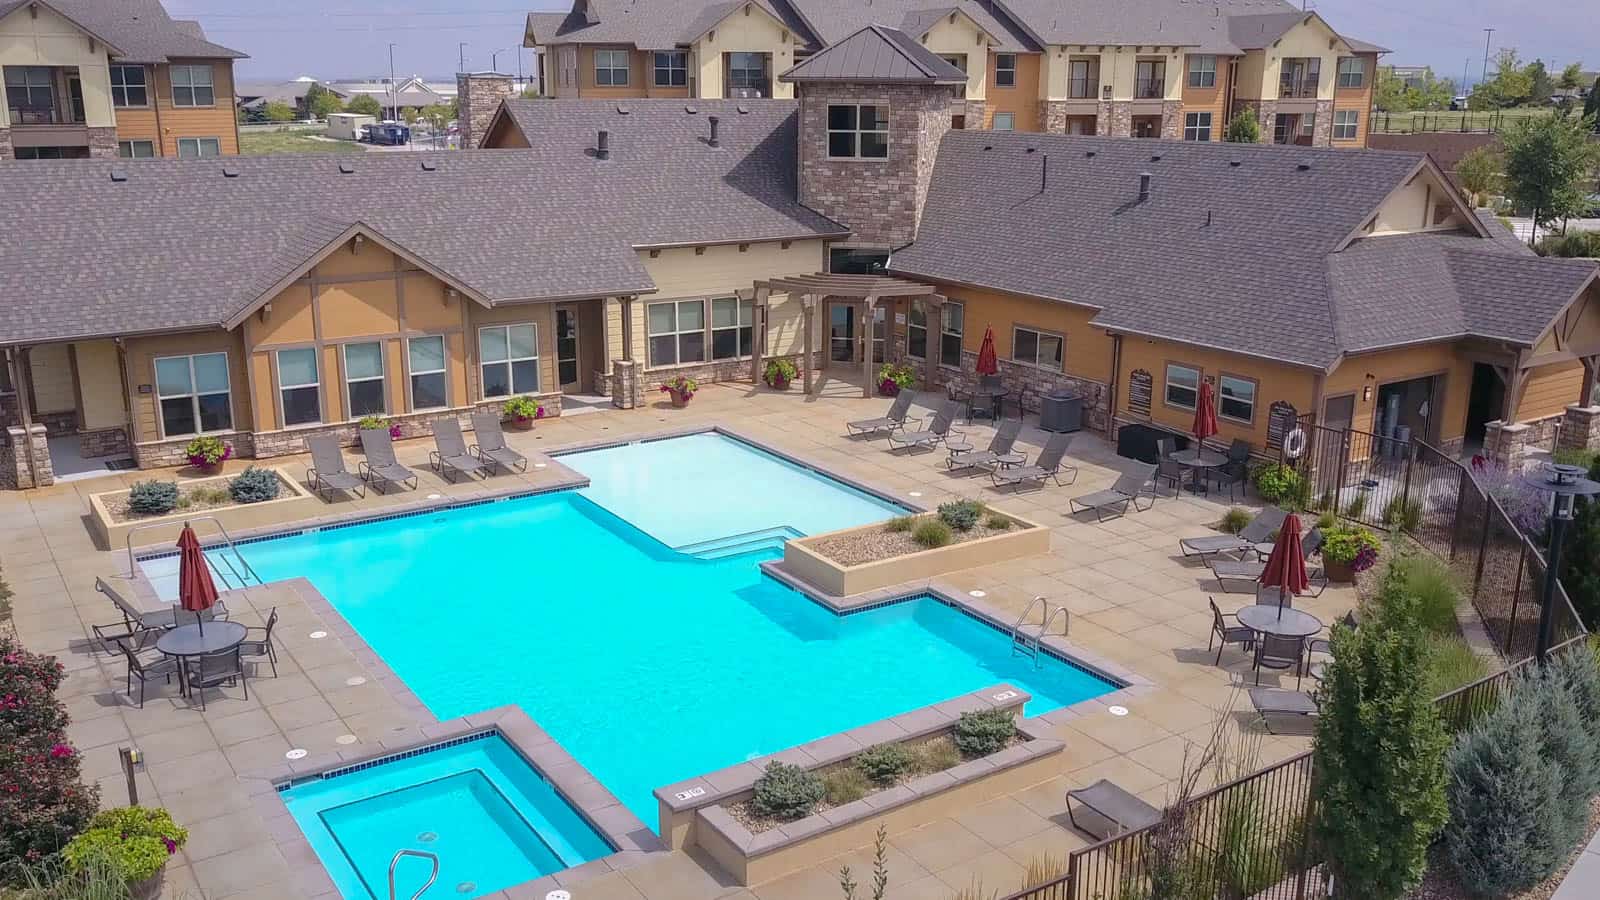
(1583,880)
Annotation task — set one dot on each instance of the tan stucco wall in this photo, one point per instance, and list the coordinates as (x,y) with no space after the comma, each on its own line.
(141,354)
(1455,382)
(748,29)
(1118,68)
(1274,382)
(47,39)
(963,36)
(1411,208)
(1309,38)
(101,403)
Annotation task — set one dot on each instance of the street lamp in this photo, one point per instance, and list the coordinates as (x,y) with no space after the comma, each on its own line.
(1567,484)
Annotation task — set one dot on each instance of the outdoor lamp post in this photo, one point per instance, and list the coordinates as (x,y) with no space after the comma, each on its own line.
(1567,484)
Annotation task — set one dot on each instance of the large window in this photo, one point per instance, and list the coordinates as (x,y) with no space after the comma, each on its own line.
(732,327)
(672,68)
(1004,121)
(1346,124)
(1183,386)
(1149,79)
(31,95)
(1352,72)
(299,390)
(858,132)
(1005,70)
(194,148)
(191,86)
(951,327)
(1202,71)
(677,332)
(747,75)
(1037,348)
(857,261)
(136,149)
(128,86)
(1197,126)
(363,379)
(611,68)
(510,358)
(917,330)
(1082,82)
(427,372)
(192,392)
(1237,400)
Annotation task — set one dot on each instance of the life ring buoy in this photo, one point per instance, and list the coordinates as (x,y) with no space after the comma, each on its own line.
(1294,443)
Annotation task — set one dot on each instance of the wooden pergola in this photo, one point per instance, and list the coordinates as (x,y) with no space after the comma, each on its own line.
(865,291)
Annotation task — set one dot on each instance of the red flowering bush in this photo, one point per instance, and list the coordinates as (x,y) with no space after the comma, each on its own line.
(28,683)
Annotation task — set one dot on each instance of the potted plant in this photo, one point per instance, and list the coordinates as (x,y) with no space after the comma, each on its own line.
(373,423)
(207,453)
(681,389)
(135,841)
(893,378)
(1346,550)
(779,373)
(521,412)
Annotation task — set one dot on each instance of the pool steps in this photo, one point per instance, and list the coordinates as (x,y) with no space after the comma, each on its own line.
(739,544)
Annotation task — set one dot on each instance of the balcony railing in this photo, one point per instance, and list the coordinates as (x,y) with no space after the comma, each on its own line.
(1298,82)
(1150,88)
(37,115)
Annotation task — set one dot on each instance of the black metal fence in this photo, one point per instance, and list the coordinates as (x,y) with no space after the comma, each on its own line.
(1450,120)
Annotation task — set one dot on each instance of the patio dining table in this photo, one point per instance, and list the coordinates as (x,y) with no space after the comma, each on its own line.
(190,641)
(1198,461)
(1286,622)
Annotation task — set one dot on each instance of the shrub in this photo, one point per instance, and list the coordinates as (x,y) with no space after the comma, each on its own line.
(153,498)
(1357,507)
(998,522)
(1583,459)
(28,683)
(207,451)
(1579,668)
(1580,558)
(97,878)
(523,408)
(254,485)
(902,376)
(137,840)
(787,792)
(682,385)
(845,784)
(1432,584)
(1234,521)
(1279,484)
(5,601)
(884,763)
(1403,514)
(1567,743)
(1327,520)
(1451,663)
(961,515)
(984,732)
(1350,544)
(935,755)
(932,533)
(900,523)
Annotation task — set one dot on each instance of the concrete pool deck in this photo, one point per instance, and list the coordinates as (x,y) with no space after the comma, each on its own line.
(1133,601)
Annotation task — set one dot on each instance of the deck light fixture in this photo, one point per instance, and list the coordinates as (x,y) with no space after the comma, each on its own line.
(1567,484)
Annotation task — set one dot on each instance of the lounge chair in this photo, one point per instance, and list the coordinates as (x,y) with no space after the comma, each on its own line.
(894,420)
(327,472)
(450,450)
(1126,491)
(937,432)
(1237,570)
(139,627)
(1047,465)
(1123,810)
(1271,703)
(380,467)
(1005,437)
(1257,531)
(491,444)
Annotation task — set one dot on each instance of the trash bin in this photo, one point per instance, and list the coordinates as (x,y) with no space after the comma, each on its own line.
(1061,412)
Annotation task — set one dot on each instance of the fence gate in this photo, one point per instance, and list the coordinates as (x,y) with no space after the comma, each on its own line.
(1358,475)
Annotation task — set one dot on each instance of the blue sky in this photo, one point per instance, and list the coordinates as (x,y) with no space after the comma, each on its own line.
(337,38)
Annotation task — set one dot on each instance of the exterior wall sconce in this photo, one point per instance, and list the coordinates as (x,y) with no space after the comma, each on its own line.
(449,294)
(1366,389)
(264,311)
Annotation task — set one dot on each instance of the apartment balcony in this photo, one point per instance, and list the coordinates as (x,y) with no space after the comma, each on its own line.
(1298,88)
(1150,88)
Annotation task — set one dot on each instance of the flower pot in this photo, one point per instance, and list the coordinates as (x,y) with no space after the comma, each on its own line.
(679,399)
(888,388)
(778,383)
(1339,572)
(522,423)
(205,468)
(149,888)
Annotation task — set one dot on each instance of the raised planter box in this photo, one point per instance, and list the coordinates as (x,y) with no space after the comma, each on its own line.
(293,502)
(1025,538)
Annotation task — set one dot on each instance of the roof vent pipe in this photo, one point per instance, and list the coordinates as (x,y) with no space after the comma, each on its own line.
(1144,186)
(602,146)
(714,123)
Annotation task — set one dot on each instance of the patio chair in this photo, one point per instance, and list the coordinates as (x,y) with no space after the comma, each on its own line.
(1239,570)
(1280,653)
(1271,703)
(894,420)
(1125,492)
(327,472)
(450,451)
(257,643)
(380,468)
(491,445)
(1223,634)
(215,670)
(144,669)
(1256,531)
(1005,437)
(1123,810)
(1047,465)
(1235,473)
(1166,469)
(937,432)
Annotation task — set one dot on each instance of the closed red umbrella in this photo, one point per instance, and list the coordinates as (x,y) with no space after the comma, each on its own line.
(196,591)
(1205,414)
(987,363)
(1286,567)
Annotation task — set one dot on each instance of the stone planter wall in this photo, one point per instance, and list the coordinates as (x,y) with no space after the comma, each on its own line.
(293,502)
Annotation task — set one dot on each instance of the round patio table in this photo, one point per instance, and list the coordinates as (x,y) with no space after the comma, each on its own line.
(1268,619)
(995,397)
(1198,461)
(189,641)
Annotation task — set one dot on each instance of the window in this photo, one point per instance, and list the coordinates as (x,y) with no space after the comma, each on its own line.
(1297,77)
(1197,126)
(510,358)
(858,132)
(192,392)
(194,148)
(732,327)
(677,331)
(1081,80)
(1346,124)
(857,261)
(1005,70)
(1037,348)
(1202,71)
(191,86)
(128,86)
(51,152)
(299,390)
(672,68)
(1352,72)
(1237,398)
(951,326)
(363,380)
(959,60)
(30,92)
(427,372)
(1183,386)
(747,75)
(1004,121)
(1308,128)
(1149,79)
(611,68)
(136,149)
(917,330)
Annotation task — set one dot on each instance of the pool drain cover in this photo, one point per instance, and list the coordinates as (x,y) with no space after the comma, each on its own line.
(466,887)
(428,837)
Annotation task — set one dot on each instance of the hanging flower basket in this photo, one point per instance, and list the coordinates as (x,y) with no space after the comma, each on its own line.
(681,390)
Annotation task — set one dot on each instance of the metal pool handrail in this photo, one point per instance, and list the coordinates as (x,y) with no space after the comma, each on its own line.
(420,854)
(227,540)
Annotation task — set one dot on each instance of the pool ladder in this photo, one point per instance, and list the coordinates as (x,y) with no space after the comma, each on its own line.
(1025,638)
(420,854)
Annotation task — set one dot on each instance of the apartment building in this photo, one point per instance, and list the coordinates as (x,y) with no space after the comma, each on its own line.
(1174,69)
(90,78)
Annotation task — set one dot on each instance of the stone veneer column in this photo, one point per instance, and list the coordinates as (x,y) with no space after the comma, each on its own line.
(1053,116)
(1322,129)
(478,98)
(21,444)
(1121,119)
(1580,428)
(1506,444)
(5,144)
(1172,120)
(626,390)
(1267,115)
(1102,118)
(976,110)
(102,143)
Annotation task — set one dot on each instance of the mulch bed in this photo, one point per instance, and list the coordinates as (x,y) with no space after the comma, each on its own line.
(118,506)
(1440,882)
(873,546)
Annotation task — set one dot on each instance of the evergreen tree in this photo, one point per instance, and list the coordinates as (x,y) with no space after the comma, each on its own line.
(1540,85)
(1244,128)
(1567,744)
(1580,557)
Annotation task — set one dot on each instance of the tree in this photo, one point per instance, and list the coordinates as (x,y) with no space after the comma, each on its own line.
(438,115)
(1591,107)
(531,93)
(1511,85)
(278,111)
(1571,77)
(1580,558)
(1479,173)
(1389,93)
(1549,167)
(1245,128)
(321,102)
(1540,86)
(1379,755)
(366,105)
(411,115)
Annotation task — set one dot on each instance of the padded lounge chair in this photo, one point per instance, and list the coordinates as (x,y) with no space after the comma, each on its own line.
(380,467)
(937,432)
(1047,465)
(1005,437)
(1258,531)
(1236,570)
(1125,492)
(1271,703)
(140,627)
(491,444)
(1117,806)
(327,472)
(894,420)
(450,453)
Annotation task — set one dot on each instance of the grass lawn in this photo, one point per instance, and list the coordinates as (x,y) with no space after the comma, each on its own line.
(1448,120)
(262,143)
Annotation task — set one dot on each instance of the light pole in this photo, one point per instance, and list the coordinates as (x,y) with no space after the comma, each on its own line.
(1488,33)
(394,96)
(1567,484)
(461,56)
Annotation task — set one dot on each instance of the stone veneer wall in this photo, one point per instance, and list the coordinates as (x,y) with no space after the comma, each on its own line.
(1118,115)
(976,110)
(1053,116)
(15,471)
(479,95)
(6,151)
(724,370)
(103,143)
(1016,377)
(1580,428)
(1322,129)
(880,200)
(59,423)
(103,442)
(1172,120)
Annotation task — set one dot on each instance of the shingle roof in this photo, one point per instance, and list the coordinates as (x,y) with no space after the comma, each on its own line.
(1202,24)
(142,31)
(645,24)
(1256,31)
(880,54)
(834,20)
(564,223)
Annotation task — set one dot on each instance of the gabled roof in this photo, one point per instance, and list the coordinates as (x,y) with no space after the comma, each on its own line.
(645,24)
(834,20)
(879,54)
(7,7)
(141,30)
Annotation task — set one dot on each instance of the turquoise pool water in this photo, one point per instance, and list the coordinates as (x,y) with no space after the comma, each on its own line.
(491,820)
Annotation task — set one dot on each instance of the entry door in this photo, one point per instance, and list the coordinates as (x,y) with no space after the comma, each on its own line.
(1339,412)
(567,347)
(841,332)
